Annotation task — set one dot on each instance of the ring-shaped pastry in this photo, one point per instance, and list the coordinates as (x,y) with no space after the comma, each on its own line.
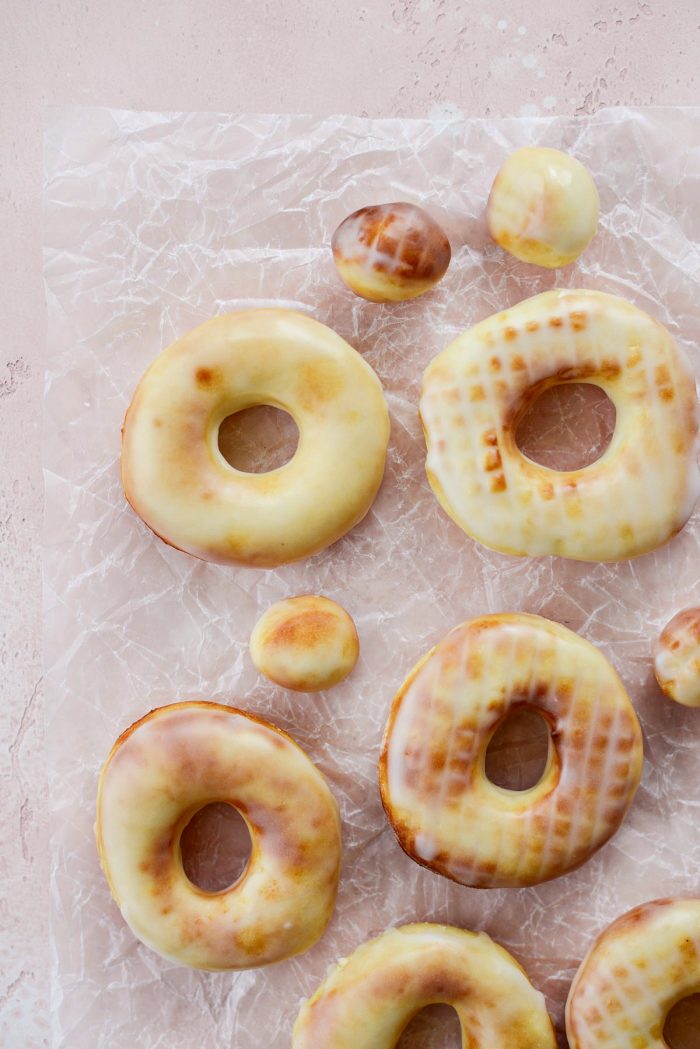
(446,813)
(370,997)
(176,478)
(633,975)
(634,498)
(160,772)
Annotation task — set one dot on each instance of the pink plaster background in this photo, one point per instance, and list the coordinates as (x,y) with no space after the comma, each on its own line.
(380,58)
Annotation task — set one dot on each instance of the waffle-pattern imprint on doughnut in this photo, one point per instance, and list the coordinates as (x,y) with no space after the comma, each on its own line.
(636,971)
(370,997)
(634,498)
(447,815)
(390,252)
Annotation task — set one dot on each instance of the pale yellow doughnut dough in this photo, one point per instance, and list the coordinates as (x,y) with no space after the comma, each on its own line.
(390,252)
(543,207)
(178,481)
(447,815)
(305,643)
(634,498)
(369,998)
(636,971)
(677,658)
(166,767)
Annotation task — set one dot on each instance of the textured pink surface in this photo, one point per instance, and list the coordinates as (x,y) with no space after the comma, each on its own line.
(391,57)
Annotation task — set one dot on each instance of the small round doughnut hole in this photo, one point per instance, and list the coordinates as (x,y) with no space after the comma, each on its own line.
(390,252)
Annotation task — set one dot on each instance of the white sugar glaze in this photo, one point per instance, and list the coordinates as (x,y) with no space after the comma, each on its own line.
(633,499)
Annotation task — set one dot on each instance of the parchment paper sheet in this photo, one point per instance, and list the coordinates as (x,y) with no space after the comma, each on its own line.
(155,222)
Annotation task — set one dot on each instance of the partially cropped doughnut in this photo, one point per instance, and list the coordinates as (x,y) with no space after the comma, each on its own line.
(305,643)
(634,498)
(543,207)
(176,478)
(370,997)
(445,812)
(160,772)
(633,975)
(677,658)
(390,252)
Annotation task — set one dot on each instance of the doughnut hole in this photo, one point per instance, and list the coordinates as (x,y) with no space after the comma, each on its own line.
(259,439)
(390,252)
(566,427)
(215,847)
(682,1027)
(435,1027)
(677,658)
(306,643)
(543,207)
(516,757)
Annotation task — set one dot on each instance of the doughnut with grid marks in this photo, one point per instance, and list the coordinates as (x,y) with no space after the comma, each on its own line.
(447,815)
(634,498)
(636,971)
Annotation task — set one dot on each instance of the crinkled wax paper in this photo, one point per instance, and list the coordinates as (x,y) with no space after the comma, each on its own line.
(155,222)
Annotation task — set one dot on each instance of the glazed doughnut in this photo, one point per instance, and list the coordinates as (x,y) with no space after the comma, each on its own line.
(370,997)
(636,971)
(677,658)
(447,815)
(176,478)
(305,643)
(390,252)
(633,499)
(166,767)
(543,207)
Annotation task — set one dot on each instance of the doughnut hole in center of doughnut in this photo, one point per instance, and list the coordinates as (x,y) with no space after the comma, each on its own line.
(434,1027)
(215,846)
(518,752)
(258,439)
(565,426)
(682,1026)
